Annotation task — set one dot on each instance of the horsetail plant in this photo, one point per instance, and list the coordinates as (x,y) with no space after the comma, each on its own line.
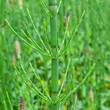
(54,46)
(53,52)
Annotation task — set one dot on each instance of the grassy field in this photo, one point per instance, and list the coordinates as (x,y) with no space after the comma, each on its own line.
(54,55)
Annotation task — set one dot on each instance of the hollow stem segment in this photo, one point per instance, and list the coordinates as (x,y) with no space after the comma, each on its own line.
(54,61)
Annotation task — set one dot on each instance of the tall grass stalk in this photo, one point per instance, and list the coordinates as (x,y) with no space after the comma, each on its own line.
(5,106)
(11,106)
(54,61)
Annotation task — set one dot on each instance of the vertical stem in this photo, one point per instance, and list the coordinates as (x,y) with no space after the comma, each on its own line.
(62,20)
(53,27)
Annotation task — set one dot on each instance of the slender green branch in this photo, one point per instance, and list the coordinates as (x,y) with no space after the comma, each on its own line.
(73,33)
(65,96)
(82,82)
(46,38)
(26,41)
(63,41)
(40,95)
(61,98)
(45,8)
(37,46)
(32,83)
(39,79)
(37,32)
(64,78)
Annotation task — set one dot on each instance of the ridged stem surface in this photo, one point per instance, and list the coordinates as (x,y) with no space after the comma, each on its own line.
(54,61)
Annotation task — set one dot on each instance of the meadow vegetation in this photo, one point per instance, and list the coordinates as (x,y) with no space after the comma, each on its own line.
(54,55)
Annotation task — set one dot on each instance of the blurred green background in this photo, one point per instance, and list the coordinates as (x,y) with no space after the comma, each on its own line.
(90,44)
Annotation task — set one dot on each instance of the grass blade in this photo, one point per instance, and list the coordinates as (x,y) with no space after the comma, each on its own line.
(59,6)
(5,105)
(9,100)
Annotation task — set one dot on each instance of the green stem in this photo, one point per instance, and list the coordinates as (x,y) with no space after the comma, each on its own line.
(9,101)
(53,27)
(61,20)
(5,105)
